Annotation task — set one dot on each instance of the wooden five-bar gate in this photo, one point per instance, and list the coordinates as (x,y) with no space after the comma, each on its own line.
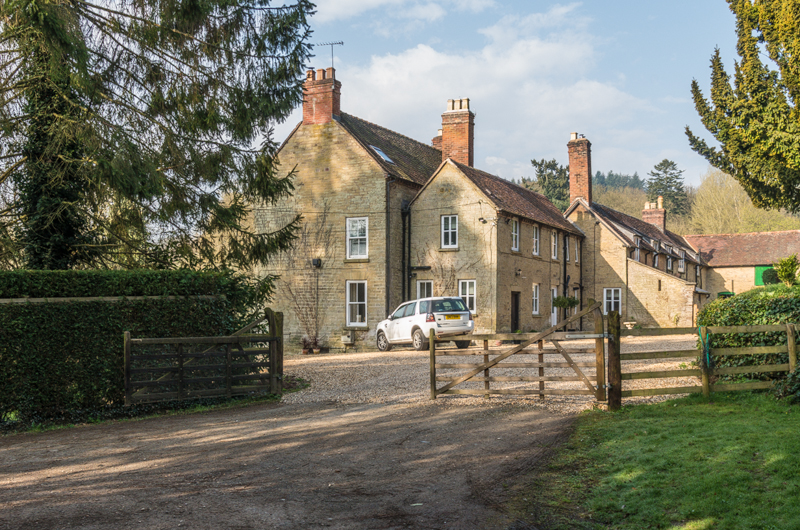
(702,358)
(161,369)
(593,385)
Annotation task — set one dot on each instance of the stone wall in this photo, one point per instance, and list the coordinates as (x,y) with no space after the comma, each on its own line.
(335,179)
(658,299)
(450,193)
(734,279)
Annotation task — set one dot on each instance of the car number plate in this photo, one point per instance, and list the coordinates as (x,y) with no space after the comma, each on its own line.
(452,317)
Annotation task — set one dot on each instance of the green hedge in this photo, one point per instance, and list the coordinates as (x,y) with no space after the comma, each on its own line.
(59,357)
(77,283)
(774,304)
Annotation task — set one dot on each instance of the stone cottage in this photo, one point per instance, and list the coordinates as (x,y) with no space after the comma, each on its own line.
(652,276)
(738,261)
(506,250)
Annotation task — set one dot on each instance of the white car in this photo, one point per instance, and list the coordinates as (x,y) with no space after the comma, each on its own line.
(412,322)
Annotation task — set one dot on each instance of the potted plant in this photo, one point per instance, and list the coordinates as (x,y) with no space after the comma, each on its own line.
(309,343)
(566,302)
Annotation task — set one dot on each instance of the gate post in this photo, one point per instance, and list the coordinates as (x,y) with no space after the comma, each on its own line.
(432,345)
(614,364)
(600,356)
(790,341)
(126,338)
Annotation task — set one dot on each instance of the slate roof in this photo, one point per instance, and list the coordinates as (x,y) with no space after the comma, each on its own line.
(627,226)
(516,200)
(745,250)
(413,160)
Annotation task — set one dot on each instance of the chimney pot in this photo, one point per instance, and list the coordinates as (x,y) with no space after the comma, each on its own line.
(573,136)
(329,73)
(647,206)
(660,202)
(321,74)
(310,75)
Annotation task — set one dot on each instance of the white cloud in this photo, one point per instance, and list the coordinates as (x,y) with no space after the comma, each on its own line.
(333,10)
(530,85)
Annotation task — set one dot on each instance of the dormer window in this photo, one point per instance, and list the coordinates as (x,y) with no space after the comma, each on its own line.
(682,262)
(637,252)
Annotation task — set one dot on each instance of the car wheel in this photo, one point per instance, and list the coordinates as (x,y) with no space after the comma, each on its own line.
(383,342)
(419,340)
(461,344)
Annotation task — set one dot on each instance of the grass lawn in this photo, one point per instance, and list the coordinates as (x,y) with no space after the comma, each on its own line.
(684,464)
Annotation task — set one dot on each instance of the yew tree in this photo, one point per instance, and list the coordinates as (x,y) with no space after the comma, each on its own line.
(753,114)
(139,133)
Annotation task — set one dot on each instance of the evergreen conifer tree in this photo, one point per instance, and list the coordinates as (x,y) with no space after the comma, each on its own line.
(755,116)
(552,181)
(139,133)
(666,181)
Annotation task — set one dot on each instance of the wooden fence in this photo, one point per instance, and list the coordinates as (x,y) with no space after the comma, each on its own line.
(193,367)
(481,371)
(615,359)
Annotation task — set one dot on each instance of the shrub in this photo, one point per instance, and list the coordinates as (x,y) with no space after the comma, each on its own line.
(789,388)
(770,277)
(774,304)
(786,270)
(63,356)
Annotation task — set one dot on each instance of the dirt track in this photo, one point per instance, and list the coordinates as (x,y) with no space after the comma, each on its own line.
(428,465)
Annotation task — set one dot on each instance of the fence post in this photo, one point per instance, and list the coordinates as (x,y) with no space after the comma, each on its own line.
(228,371)
(792,343)
(180,371)
(273,351)
(486,372)
(540,345)
(600,356)
(279,351)
(614,363)
(126,338)
(432,345)
(705,369)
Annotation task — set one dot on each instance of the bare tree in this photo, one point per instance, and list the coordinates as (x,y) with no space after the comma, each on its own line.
(300,284)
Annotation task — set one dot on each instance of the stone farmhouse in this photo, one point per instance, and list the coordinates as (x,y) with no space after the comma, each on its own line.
(652,276)
(738,261)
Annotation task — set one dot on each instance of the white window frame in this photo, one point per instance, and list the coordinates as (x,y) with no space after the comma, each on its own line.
(464,293)
(515,234)
(576,293)
(577,250)
(535,299)
(669,263)
(536,237)
(566,247)
(553,308)
(637,254)
(429,288)
(618,298)
(452,232)
(554,237)
(682,262)
(349,303)
(655,261)
(698,279)
(350,238)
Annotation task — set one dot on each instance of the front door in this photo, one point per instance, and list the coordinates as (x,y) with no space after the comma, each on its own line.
(514,312)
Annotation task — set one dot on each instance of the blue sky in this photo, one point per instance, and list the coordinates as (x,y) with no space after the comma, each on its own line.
(617,71)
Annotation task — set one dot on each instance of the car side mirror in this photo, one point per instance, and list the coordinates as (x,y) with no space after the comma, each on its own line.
(390,317)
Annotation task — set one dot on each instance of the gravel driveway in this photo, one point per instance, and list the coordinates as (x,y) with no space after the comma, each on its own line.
(363,447)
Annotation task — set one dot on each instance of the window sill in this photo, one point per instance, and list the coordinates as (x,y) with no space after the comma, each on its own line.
(351,327)
(356,260)
(453,249)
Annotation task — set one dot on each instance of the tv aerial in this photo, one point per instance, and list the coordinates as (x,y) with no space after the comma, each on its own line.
(331,44)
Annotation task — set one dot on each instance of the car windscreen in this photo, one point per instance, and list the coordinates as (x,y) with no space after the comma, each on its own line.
(449,304)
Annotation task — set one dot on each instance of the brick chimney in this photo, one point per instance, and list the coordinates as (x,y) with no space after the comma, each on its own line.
(321,96)
(580,168)
(437,141)
(458,132)
(655,214)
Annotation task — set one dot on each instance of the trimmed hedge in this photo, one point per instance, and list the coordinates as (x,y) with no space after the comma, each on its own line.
(59,357)
(774,304)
